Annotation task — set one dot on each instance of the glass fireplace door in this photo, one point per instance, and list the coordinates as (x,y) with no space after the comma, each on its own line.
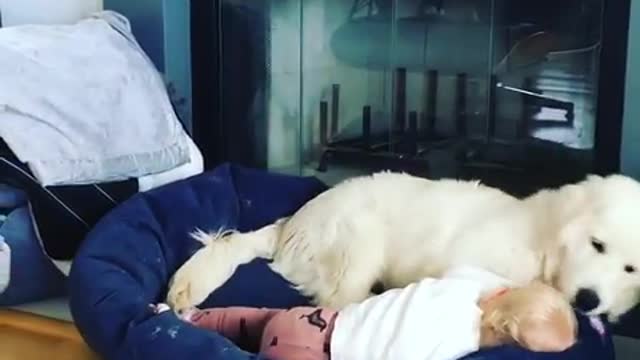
(507,92)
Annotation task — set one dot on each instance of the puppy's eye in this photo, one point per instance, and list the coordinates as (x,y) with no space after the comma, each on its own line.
(630,269)
(598,245)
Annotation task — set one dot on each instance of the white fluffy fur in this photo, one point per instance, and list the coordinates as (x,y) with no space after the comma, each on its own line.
(397,229)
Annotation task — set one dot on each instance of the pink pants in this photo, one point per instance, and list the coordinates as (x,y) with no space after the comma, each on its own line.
(301,333)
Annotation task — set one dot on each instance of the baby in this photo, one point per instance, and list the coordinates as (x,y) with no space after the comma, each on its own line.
(436,319)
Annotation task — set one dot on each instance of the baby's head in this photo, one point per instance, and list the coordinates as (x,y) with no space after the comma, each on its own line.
(536,317)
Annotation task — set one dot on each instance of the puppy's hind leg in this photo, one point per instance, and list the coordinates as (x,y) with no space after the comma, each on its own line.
(352,285)
(211,266)
(353,272)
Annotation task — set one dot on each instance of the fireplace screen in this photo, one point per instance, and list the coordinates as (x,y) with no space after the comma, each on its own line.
(501,91)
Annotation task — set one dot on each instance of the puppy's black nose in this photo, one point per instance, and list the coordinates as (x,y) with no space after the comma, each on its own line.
(586,300)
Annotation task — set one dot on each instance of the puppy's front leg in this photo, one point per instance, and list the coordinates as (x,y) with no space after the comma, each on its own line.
(210,267)
(196,279)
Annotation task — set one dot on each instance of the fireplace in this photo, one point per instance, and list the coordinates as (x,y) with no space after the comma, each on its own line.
(518,94)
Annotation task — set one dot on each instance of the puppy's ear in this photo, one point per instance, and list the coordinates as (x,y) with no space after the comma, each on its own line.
(551,263)
(577,210)
(574,198)
(576,224)
(538,282)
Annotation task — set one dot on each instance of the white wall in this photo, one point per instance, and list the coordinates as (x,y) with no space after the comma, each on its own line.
(15,12)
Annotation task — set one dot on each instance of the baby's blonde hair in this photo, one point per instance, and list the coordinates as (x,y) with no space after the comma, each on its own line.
(536,316)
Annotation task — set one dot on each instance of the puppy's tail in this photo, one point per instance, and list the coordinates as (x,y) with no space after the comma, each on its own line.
(230,249)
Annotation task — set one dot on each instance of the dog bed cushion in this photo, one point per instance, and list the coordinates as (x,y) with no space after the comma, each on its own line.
(126,261)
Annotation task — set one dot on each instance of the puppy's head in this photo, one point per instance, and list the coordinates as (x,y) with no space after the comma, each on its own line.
(599,263)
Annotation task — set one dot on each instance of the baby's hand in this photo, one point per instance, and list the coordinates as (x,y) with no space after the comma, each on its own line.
(159,308)
(185,314)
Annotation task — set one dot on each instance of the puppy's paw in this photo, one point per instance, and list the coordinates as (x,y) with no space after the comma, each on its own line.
(207,270)
(159,308)
(186,292)
(189,286)
(179,296)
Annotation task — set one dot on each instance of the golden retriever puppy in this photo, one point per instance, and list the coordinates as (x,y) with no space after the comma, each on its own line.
(395,229)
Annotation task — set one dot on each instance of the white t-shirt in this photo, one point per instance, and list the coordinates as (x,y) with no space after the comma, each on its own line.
(434,319)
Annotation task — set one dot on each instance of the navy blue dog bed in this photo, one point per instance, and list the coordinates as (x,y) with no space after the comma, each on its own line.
(125,263)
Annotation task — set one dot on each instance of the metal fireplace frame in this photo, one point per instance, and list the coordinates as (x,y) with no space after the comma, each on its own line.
(212,125)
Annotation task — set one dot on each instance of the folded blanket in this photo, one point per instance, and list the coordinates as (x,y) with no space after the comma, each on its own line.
(83,103)
(193,167)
